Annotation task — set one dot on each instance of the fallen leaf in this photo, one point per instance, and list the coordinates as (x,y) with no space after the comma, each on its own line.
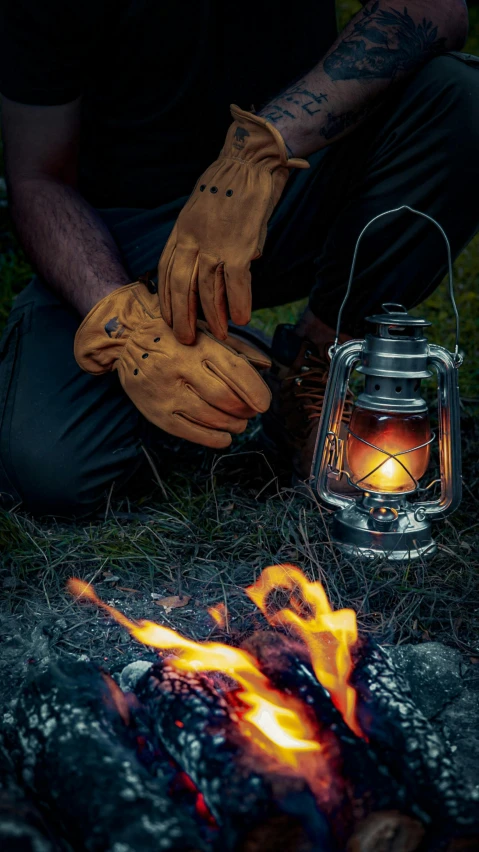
(173,601)
(127,589)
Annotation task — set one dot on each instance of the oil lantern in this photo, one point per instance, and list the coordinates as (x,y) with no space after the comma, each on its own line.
(385,452)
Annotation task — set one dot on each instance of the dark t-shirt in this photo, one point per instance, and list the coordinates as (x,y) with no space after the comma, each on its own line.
(156,78)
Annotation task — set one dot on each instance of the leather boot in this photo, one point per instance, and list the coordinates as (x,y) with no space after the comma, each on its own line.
(297,380)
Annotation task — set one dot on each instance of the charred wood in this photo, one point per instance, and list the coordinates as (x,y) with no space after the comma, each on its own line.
(71,749)
(22,827)
(387,831)
(368,785)
(256,802)
(411,746)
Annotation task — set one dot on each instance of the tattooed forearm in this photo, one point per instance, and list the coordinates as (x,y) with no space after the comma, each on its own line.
(337,124)
(382,44)
(294,101)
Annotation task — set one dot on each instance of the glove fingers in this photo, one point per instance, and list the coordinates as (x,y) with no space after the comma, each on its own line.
(185,428)
(234,372)
(164,290)
(212,291)
(183,413)
(209,386)
(197,434)
(183,285)
(238,288)
(257,358)
(197,410)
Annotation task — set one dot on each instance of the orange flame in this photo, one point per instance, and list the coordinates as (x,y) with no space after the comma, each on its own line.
(328,635)
(219,613)
(276,722)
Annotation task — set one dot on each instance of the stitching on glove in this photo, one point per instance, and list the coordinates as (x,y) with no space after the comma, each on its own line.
(192,296)
(218,296)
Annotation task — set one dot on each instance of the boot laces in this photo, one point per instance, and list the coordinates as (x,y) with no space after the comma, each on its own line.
(312,387)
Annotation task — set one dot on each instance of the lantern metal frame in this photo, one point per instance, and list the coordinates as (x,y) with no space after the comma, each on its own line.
(372,524)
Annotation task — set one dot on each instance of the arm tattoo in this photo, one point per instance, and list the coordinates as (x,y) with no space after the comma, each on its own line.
(297,95)
(382,44)
(338,123)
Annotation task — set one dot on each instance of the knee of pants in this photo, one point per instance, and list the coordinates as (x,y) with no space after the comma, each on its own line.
(452,86)
(56,479)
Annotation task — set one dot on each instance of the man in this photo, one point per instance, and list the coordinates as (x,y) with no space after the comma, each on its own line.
(113,117)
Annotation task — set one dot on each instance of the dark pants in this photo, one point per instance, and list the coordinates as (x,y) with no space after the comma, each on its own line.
(66,436)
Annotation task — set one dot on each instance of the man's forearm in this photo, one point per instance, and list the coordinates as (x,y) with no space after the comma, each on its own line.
(66,241)
(384,43)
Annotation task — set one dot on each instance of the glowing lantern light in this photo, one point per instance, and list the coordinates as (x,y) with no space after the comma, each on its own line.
(396,467)
(387,447)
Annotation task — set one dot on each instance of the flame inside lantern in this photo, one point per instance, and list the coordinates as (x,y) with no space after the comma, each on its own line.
(277,722)
(380,450)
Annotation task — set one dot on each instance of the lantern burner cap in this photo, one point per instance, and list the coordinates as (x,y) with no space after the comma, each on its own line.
(397,322)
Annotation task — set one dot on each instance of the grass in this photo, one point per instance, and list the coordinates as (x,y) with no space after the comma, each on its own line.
(219,519)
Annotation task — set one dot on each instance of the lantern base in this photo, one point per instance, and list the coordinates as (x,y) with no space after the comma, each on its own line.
(355,533)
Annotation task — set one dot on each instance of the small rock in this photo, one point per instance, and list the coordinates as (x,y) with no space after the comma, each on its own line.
(434,674)
(132,673)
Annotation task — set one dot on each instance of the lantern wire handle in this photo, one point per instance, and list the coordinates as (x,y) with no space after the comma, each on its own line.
(449,259)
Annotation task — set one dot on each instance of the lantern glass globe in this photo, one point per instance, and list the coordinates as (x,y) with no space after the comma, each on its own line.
(392,465)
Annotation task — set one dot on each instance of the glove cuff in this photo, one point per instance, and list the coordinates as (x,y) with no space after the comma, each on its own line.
(247,132)
(101,337)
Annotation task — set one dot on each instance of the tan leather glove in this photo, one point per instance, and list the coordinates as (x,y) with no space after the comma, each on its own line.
(222,228)
(203,393)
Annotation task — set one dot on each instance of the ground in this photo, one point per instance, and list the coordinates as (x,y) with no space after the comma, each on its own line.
(212,522)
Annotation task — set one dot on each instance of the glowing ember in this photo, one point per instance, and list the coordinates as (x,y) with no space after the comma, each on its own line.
(328,635)
(219,614)
(275,721)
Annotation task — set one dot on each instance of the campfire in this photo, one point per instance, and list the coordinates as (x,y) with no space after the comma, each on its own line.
(304,738)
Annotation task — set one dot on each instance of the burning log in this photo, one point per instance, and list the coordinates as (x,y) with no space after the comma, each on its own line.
(308,746)
(368,785)
(387,831)
(71,748)
(258,803)
(412,748)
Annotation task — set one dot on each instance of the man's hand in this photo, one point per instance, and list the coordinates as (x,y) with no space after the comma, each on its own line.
(204,393)
(222,228)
